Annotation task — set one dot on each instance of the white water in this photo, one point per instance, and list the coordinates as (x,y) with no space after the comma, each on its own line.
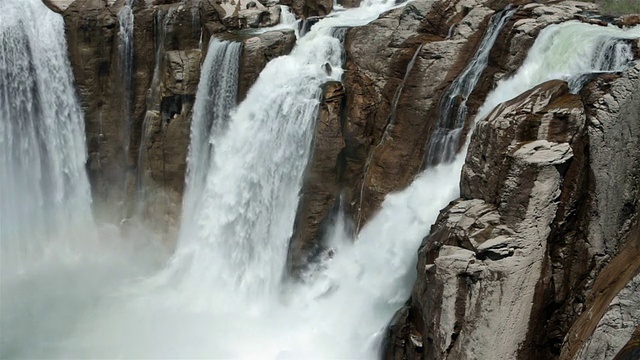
(49,264)
(44,192)
(125,48)
(191,309)
(451,118)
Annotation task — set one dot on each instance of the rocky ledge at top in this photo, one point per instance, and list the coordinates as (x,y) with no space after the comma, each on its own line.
(540,257)
(138,129)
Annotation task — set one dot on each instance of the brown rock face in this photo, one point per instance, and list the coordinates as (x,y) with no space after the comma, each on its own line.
(92,31)
(320,192)
(391,110)
(517,268)
(257,51)
(397,69)
(137,161)
(309,8)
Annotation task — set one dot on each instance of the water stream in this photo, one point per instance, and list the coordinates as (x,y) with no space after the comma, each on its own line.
(222,294)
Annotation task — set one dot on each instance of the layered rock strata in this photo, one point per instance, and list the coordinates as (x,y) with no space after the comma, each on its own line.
(397,69)
(137,161)
(541,247)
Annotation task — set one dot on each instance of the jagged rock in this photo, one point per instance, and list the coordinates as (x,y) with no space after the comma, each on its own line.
(322,183)
(620,320)
(309,8)
(609,243)
(167,132)
(92,30)
(58,6)
(257,51)
(495,240)
(631,350)
(240,14)
(538,175)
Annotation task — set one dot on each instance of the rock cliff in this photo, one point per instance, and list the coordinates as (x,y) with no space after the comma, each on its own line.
(397,69)
(520,266)
(138,136)
(537,259)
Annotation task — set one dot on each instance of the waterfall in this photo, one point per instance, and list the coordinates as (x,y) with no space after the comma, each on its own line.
(221,295)
(612,55)
(216,96)
(125,49)
(45,199)
(286,16)
(375,274)
(452,111)
(239,238)
(125,66)
(565,51)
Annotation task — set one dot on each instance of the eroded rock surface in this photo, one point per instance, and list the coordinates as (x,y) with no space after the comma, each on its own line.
(512,269)
(397,69)
(137,159)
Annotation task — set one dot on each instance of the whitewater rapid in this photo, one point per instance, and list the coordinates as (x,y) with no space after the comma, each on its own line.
(221,295)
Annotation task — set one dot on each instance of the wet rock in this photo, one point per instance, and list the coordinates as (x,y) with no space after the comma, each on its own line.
(538,174)
(257,51)
(321,188)
(92,33)
(309,8)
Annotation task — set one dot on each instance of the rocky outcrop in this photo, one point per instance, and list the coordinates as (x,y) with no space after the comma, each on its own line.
(137,158)
(92,32)
(309,8)
(449,36)
(257,51)
(58,6)
(391,110)
(322,181)
(632,349)
(616,326)
(245,13)
(515,267)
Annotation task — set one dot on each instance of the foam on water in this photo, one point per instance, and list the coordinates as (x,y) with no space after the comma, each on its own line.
(222,294)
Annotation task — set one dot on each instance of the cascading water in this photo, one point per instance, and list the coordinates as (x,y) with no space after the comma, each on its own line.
(246,209)
(612,55)
(286,16)
(452,110)
(44,192)
(217,92)
(52,264)
(125,48)
(221,296)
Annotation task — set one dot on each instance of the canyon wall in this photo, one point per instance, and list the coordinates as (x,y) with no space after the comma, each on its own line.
(537,259)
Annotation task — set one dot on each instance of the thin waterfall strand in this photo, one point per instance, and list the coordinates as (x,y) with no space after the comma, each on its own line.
(453,104)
